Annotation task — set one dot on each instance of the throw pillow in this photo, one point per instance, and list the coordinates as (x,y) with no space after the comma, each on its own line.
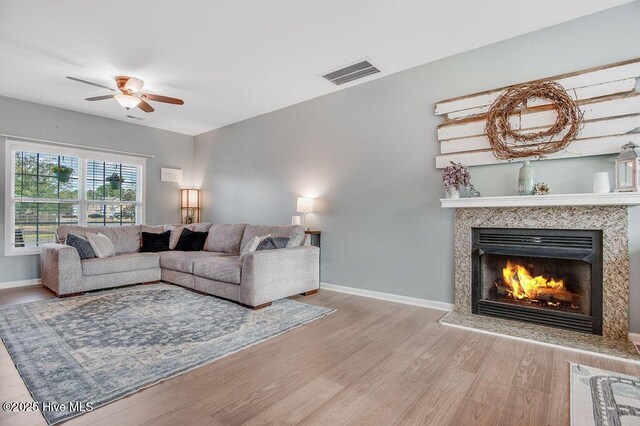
(82,245)
(253,244)
(101,245)
(272,243)
(153,243)
(191,240)
(281,242)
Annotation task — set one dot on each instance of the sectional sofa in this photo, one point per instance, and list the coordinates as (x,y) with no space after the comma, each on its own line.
(254,280)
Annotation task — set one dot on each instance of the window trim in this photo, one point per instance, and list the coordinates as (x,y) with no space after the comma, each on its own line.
(11,146)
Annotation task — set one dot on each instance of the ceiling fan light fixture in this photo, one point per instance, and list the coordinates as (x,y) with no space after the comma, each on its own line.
(134,85)
(127,101)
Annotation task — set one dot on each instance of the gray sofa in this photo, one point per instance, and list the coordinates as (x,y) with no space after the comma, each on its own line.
(254,280)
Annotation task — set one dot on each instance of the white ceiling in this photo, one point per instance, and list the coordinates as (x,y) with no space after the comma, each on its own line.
(231,60)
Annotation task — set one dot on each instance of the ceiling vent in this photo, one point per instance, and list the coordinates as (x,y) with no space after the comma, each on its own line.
(351,72)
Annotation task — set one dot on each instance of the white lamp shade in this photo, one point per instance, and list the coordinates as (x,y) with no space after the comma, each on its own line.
(134,84)
(127,101)
(305,205)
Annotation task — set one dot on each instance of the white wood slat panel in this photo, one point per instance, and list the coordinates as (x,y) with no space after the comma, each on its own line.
(590,129)
(595,91)
(592,111)
(589,78)
(581,93)
(470,128)
(529,120)
(578,148)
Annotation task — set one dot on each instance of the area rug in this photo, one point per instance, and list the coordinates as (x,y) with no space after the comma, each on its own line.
(99,347)
(601,397)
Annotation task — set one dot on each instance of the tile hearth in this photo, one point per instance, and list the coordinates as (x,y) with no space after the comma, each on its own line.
(611,220)
(618,348)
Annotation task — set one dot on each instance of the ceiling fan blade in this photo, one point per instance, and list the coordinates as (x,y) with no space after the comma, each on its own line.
(165,99)
(90,83)
(99,98)
(145,106)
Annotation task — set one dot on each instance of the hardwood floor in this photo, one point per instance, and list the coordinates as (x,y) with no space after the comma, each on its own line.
(371,362)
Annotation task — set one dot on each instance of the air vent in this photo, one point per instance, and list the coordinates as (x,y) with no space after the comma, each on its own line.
(134,118)
(352,72)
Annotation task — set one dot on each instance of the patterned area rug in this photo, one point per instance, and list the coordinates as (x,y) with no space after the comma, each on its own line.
(99,347)
(601,397)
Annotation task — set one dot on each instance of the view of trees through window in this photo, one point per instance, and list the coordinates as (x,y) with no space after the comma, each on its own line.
(48,192)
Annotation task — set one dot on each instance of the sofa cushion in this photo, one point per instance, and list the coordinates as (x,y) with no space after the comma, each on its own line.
(224,268)
(152,229)
(225,238)
(182,261)
(125,239)
(295,233)
(121,263)
(63,230)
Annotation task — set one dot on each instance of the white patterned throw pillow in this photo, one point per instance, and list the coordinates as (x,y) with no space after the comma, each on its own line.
(101,245)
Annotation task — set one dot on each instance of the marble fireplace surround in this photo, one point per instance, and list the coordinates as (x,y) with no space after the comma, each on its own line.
(612,220)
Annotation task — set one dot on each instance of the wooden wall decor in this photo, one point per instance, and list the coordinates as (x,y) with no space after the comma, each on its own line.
(606,96)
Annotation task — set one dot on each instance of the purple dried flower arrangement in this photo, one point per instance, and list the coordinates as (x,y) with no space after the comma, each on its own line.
(455,176)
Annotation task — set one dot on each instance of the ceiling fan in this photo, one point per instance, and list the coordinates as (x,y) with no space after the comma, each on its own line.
(129,94)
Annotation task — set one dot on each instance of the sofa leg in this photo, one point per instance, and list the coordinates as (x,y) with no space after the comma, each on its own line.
(309,293)
(151,282)
(255,308)
(62,296)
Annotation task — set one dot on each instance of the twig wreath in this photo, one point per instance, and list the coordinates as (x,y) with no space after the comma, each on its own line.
(508,143)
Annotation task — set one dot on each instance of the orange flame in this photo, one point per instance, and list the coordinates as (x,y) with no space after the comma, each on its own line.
(521,285)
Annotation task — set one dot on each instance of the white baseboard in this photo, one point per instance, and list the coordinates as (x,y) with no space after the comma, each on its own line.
(23,283)
(433,304)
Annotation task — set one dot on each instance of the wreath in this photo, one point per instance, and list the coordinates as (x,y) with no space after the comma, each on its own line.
(508,143)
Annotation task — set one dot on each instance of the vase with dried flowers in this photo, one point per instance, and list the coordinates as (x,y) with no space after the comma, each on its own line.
(455,177)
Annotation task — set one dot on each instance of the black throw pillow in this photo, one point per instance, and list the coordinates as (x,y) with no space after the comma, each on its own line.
(272,243)
(153,243)
(82,245)
(191,240)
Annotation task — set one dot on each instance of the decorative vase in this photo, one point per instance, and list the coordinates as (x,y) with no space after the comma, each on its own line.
(601,183)
(453,193)
(526,179)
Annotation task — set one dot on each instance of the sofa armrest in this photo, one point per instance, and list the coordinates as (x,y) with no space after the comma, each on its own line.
(61,269)
(269,275)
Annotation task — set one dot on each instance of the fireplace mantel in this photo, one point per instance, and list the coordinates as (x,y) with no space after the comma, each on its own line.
(587,199)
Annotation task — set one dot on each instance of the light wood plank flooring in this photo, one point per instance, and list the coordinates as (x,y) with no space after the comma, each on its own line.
(371,362)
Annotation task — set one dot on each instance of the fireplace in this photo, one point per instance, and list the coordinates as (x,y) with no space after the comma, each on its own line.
(543,276)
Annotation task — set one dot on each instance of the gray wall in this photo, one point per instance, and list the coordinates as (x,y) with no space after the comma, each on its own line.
(368,153)
(43,122)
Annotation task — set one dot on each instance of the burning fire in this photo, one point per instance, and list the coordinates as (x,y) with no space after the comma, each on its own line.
(521,285)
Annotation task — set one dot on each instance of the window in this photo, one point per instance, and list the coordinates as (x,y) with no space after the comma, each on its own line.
(48,186)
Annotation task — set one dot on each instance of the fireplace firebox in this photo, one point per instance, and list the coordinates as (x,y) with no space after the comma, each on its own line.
(543,276)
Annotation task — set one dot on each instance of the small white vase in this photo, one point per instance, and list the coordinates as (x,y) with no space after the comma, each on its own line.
(601,183)
(453,193)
